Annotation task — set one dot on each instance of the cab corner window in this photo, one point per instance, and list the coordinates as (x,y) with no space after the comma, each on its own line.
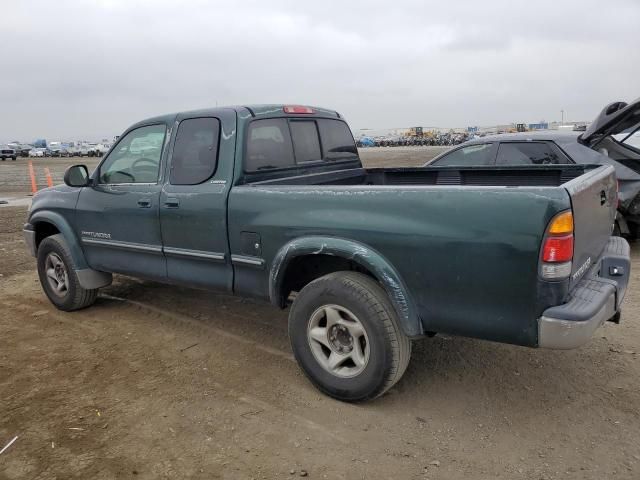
(195,153)
(136,157)
(269,145)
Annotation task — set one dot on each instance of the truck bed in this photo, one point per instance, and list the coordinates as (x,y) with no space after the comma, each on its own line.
(551,176)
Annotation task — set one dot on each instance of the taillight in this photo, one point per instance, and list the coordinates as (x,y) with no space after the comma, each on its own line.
(297,109)
(557,249)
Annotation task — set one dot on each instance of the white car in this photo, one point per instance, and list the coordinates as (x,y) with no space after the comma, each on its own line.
(36,152)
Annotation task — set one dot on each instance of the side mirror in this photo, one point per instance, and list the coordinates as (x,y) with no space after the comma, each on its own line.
(77,176)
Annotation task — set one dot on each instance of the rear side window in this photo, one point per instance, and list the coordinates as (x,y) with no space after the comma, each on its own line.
(528,153)
(269,145)
(468,156)
(337,141)
(195,153)
(306,143)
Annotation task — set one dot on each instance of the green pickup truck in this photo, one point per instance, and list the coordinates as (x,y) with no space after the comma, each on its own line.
(272,202)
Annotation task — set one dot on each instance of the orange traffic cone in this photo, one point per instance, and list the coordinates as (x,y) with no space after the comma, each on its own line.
(49,179)
(34,186)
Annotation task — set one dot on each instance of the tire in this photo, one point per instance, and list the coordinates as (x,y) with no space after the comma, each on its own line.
(363,307)
(13,158)
(72,296)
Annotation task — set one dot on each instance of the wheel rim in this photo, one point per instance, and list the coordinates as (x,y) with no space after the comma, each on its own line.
(56,273)
(338,341)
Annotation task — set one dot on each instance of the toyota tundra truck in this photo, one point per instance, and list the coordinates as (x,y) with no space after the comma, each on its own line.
(273,202)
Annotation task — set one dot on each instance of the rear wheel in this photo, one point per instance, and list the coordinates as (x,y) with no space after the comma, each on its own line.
(346,338)
(58,277)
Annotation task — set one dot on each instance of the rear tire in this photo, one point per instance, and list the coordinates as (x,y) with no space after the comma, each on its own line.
(346,337)
(58,277)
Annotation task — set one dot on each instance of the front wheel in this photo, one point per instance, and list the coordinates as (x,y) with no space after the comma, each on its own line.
(346,338)
(58,277)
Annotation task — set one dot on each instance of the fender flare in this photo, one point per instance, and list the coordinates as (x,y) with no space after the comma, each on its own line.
(65,229)
(355,251)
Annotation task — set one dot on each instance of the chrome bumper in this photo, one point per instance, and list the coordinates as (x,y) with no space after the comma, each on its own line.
(593,301)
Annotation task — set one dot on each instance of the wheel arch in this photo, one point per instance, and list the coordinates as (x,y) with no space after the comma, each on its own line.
(46,223)
(345,252)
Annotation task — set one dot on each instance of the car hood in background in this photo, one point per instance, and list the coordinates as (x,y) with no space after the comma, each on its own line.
(613,119)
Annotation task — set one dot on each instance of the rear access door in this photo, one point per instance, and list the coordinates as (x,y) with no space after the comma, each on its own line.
(594,202)
(193,201)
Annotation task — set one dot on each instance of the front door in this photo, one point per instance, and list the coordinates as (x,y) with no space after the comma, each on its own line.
(193,202)
(117,217)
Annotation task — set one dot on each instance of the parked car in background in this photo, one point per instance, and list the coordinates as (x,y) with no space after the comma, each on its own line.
(23,150)
(613,138)
(36,152)
(7,152)
(98,150)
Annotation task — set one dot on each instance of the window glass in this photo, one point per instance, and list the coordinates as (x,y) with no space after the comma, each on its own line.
(136,158)
(630,137)
(306,143)
(527,153)
(269,145)
(468,156)
(337,141)
(195,152)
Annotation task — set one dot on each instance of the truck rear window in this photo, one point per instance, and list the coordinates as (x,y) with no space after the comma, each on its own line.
(337,140)
(269,145)
(281,143)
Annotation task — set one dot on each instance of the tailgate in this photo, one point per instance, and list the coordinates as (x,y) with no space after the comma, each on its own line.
(594,202)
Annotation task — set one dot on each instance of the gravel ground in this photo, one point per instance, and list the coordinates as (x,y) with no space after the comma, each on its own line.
(162,382)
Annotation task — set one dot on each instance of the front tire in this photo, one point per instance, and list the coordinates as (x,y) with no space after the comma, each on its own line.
(58,277)
(345,335)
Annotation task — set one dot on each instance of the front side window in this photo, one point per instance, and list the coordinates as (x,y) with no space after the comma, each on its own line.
(269,145)
(468,156)
(337,141)
(527,153)
(195,152)
(136,158)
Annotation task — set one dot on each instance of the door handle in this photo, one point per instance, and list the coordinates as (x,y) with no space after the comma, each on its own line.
(172,203)
(142,203)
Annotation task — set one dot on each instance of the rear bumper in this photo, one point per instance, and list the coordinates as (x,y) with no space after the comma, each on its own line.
(593,301)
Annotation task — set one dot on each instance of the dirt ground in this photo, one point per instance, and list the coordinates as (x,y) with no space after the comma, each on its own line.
(159,382)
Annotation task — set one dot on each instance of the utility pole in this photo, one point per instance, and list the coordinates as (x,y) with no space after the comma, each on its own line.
(562,112)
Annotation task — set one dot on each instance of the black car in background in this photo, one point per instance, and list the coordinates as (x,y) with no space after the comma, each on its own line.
(613,138)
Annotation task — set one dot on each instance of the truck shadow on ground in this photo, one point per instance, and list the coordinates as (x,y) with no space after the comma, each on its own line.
(452,375)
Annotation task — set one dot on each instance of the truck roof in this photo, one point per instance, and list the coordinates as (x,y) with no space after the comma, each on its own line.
(255,110)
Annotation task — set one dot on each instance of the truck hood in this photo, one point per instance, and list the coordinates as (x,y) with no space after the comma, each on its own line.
(613,119)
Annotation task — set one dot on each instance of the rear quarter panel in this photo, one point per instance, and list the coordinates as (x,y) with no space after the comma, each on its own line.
(468,255)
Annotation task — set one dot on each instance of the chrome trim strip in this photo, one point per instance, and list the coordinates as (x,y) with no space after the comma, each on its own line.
(184,252)
(123,245)
(245,260)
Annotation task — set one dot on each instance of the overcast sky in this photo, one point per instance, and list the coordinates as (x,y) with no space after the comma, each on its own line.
(87,69)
